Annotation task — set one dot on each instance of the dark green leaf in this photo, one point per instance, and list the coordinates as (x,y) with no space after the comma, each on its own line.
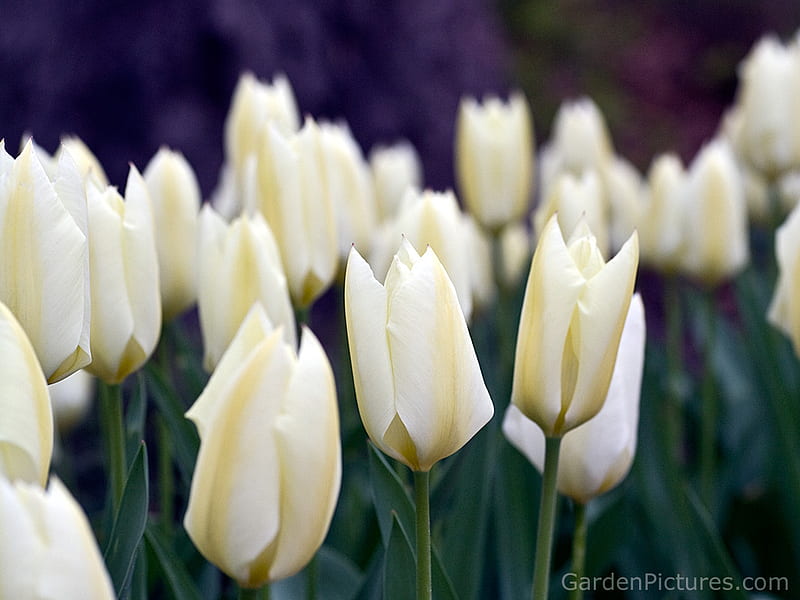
(399,566)
(177,577)
(390,496)
(337,579)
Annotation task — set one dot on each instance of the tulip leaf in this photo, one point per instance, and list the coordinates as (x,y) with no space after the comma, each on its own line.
(129,524)
(390,496)
(177,577)
(399,565)
(337,579)
(185,440)
(135,416)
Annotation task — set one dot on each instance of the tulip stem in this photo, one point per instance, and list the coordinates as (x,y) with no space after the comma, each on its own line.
(422,498)
(111,419)
(261,593)
(673,426)
(547,513)
(710,409)
(579,548)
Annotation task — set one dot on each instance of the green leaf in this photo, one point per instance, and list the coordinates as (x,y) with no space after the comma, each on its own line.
(135,416)
(337,579)
(129,525)
(399,566)
(390,497)
(177,577)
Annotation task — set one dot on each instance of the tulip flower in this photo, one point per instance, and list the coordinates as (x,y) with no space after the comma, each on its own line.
(784,312)
(394,169)
(175,196)
(479,258)
(269,468)
(126,303)
(44,258)
(515,243)
(624,189)
(85,159)
(290,189)
(432,219)
(715,216)
(238,264)
(47,549)
(572,317)
(596,456)
(71,399)
(418,383)
(494,159)
(26,429)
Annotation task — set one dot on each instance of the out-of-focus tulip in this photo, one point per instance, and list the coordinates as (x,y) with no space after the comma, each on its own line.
(430,219)
(515,244)
(788,189)
(47,549)
(350,186)
(624,191)
(26,429)
(292,193)
(394,169)
(479,259)
(596,456)
(238,264)
(768,97)
(175,196)
(44,258)
(714,216)
(576,198)
(71,399)
(418,383)
(254,105)
(661,229)
(572,318)
(126,303)
(784,310)
(494,158)
(269,467)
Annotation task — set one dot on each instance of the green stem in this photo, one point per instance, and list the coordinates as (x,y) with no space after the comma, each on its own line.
(261,593)
(422,498)
(114,433)
(303,316)
(579,548)
(166,476)
(547,513)
(311,581)
(710,410)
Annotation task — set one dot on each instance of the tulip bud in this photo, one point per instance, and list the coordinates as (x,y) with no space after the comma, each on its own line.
(87,162)
(291,191)
(580,137)
(394,169)
(431,219)
(576,198)
(126,303)
(624,190)
(494,158)
(769,95)
(515,244)
(572,317)
(269,467)
(479,258)
(44,258)
(238,265)
(26,429)
(715,216)
(597,455)
(47,549)
(254,105)
(175,196)
(418,383)
(784,311)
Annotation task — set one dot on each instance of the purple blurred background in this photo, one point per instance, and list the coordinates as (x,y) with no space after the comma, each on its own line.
(129,77)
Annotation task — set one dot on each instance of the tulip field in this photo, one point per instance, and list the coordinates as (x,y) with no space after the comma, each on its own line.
(564,378)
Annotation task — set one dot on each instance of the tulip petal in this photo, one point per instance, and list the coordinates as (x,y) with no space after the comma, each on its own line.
(21,546)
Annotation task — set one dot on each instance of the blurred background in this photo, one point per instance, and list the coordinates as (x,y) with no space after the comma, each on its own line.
(130,77)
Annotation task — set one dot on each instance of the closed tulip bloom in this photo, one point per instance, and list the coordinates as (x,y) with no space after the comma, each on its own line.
(418,383)
(269,467)
(126,303)
(26,429)
(431,219)
(515,242)
(292,192)
(394,169)
(784,310)
(580,137)
(47,549)
(597,455)
(715,216)
(479,258)
(238,265)
(175,196)
(44,258)
(769,95)
(624,189)
(572,317)
(85,159)
(494,158)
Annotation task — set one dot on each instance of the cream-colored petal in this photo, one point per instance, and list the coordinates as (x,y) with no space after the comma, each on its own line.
(21,546)
(365,305)
(440,394)
(552,292)
(26,429)
(307,434)
(782,311)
